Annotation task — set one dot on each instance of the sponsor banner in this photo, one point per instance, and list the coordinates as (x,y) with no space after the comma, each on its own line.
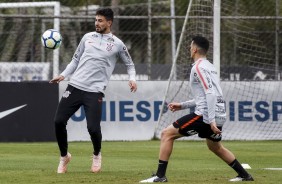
(24,71)
(126,115)
(254,111)
(27,111)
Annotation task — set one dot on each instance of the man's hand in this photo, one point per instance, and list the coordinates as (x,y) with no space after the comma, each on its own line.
(133,86)
(214,128)
(57,79)
(174,106)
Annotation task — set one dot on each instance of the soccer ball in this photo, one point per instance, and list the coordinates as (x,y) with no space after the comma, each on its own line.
(51,39)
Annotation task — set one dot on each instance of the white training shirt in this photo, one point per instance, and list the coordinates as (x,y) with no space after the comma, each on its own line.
(208,98)
(94,61)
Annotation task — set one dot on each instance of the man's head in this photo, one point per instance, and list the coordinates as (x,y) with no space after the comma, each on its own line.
(104,20)
(199,47)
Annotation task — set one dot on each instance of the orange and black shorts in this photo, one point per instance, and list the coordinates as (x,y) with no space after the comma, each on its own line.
(192,124)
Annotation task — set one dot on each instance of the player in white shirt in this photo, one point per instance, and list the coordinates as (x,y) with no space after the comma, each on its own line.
(90,70)
(206,121)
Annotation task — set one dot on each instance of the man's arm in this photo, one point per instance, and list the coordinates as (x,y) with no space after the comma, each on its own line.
(206,82)
(207,85)
(188,104)
(126,58)
(176,106)
(57,79)
(71,67)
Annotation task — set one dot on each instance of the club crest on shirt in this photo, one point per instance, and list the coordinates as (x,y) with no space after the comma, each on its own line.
(110,40)
(109,47)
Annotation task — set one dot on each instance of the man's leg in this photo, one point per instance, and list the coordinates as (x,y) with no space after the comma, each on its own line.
(218,149)
(168,136)
(68,105)
(184,126)
(93,110)
(228,157)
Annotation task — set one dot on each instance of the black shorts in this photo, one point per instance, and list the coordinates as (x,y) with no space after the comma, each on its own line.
(192,124)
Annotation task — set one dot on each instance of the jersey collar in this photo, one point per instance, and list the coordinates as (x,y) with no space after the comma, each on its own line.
(108,34)
(198,60)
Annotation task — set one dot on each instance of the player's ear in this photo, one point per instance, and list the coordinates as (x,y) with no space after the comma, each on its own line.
(110,23)
(195,49)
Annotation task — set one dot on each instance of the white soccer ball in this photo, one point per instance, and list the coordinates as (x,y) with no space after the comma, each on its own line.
(51,39)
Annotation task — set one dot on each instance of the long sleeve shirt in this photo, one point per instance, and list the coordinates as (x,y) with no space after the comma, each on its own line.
(208,98)
(94,61)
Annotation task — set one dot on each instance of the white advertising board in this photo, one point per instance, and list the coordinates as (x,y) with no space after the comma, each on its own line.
(126,115)
(254,111)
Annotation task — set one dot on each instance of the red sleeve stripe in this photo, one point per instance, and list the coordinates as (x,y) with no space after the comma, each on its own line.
(201,76)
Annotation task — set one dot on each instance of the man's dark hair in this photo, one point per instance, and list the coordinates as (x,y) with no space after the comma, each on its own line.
(201,42)
(106,12)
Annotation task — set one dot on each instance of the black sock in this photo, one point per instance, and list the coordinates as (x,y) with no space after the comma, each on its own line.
(161,168)
(239,169)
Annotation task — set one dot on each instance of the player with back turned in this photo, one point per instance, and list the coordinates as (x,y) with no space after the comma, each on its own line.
(206,121)
(90,69)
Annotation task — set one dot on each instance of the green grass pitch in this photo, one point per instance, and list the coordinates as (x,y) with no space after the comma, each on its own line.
(129,162)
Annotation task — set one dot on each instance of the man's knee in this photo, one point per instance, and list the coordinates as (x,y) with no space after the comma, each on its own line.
(60,121)
(215,147)
(169,133)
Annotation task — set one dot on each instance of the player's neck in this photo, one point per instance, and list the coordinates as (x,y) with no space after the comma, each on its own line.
(107,32)
(197,57)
